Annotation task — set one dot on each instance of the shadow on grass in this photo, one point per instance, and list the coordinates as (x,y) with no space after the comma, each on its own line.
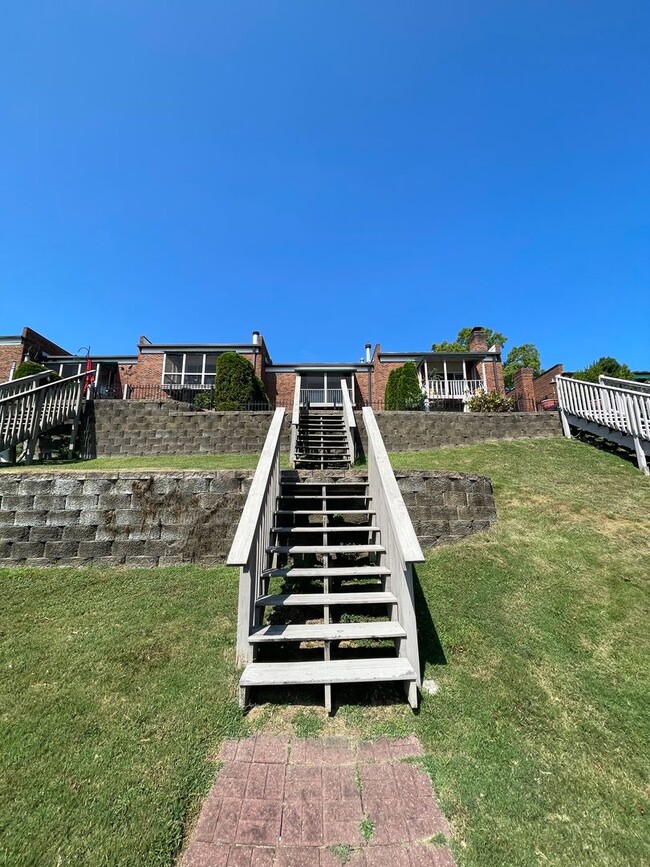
(604,445)
(431,649)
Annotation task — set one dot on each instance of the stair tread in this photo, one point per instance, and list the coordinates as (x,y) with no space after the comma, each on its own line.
(325,549)
(367,597)
(324,512)
(326,631)
(342,484)
(315,528)
(328,572)
(333,671)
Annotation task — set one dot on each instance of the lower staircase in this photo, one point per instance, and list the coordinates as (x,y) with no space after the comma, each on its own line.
(322,441)
(326,589)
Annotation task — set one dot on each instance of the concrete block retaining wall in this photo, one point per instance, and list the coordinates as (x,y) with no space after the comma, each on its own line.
(159,519)
(116,427)
(130,427)
(418,431)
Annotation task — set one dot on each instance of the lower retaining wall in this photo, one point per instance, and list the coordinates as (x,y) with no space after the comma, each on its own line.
(161,519)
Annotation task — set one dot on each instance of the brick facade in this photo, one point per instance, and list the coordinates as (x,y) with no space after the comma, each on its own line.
(11,354)
(543,385)
(524,391)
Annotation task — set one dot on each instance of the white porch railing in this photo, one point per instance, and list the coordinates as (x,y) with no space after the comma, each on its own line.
(456,389)
(248,550)
(28,414)
(627,384)
(349,420)
(399,539)
(322,396)
(623,411)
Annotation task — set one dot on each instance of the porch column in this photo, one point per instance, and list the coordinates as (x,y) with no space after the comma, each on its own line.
(426,378)
(444,367)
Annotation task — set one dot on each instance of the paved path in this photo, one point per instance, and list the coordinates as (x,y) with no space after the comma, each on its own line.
(289,802)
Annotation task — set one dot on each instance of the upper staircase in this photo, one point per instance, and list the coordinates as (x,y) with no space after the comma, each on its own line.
(326,583)
(29,409)
(615,409)
(322,441)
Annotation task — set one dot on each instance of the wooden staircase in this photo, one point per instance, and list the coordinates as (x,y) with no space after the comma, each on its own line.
(28,410)
(322,441)
(326,587)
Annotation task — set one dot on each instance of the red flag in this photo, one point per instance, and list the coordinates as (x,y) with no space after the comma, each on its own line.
(89,379)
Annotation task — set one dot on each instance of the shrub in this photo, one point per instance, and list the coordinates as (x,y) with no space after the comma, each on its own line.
(403,389)
(204,400)
(29,368)
(236,385)
(491,401)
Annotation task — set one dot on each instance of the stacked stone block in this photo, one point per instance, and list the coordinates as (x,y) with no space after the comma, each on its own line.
(120,427)
(160,519)
(418,431)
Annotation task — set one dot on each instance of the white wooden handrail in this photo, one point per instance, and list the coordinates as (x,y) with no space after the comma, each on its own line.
(381,475)
(24,383)
(248,550)
(624,411)
(625,384)
(295,422)
(259,491)
(349,420)
(398,539)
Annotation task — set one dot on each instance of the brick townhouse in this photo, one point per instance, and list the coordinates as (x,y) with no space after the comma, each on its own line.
(160,371)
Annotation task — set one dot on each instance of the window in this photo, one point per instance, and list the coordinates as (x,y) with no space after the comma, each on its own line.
(190,368)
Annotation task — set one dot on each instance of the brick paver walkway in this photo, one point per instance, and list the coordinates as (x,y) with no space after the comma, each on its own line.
(287,802)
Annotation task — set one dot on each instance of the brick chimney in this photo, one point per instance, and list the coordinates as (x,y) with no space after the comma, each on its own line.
(478,340)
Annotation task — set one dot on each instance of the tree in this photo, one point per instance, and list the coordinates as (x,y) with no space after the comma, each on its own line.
(526,355)
(403,390)
(236,385)
(29,368)
(461,343)
(605,366)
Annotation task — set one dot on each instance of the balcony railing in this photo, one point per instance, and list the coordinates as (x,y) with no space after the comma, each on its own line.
(321,396)
(456,389)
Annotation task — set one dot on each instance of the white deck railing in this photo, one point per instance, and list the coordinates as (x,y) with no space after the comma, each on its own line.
(248,549)
(25,383)
(456,389)
(349,420)
(623,410)
(627,384)
(321,396)
(398,538)
(28,414)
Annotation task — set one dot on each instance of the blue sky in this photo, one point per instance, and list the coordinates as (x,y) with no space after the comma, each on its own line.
(328,173)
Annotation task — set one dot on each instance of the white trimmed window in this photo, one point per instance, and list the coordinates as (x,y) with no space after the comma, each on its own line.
(189,368)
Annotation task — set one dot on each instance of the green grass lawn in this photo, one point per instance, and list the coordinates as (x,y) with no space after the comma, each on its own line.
(166,462)
(118,686)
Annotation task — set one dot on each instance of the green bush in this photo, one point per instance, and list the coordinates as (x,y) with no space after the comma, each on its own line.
(236,385)
(605,366)
(29,368)
(203,400)
(490,401)
(403,390)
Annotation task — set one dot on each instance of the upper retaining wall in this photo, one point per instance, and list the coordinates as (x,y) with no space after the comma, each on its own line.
(160,519)
(418,431)
(134,427)
(122,427)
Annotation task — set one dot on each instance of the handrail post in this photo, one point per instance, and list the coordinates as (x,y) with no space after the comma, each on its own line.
(350,421)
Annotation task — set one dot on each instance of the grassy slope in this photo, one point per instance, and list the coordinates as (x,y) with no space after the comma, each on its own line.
(118,686)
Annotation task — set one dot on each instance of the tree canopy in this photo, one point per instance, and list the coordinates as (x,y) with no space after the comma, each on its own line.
(461,343)
(526,355)
(605,366)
